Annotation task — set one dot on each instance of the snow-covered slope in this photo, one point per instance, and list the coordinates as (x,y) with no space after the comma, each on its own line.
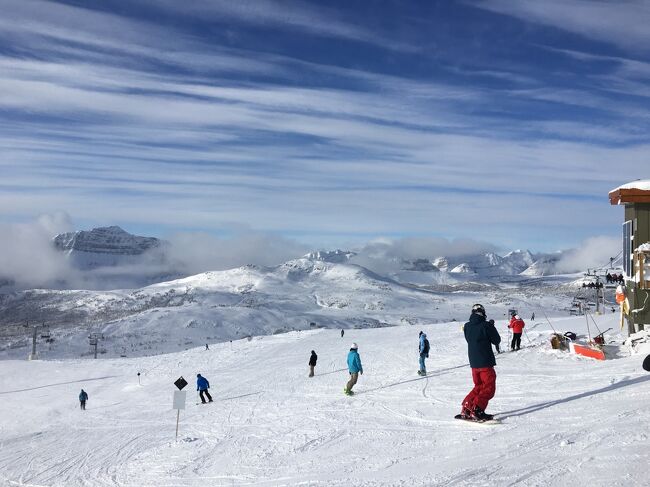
(565,420)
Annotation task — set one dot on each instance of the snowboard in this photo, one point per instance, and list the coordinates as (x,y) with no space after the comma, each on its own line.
(477,421)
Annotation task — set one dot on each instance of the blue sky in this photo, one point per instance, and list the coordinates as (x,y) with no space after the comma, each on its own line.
(326,122)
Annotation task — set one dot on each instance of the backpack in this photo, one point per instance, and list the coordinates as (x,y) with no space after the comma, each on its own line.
(426,347)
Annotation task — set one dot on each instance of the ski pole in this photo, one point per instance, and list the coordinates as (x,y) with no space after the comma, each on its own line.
(549,322)
(529,340)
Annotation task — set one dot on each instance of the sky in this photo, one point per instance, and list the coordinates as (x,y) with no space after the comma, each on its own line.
(325,123)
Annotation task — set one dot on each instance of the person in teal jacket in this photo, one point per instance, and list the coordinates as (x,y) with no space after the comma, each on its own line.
(354,368)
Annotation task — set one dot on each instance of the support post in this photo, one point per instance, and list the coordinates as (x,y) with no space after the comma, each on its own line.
(178,415)
(34,342)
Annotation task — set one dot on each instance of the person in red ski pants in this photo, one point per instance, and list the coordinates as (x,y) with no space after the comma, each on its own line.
(480,335)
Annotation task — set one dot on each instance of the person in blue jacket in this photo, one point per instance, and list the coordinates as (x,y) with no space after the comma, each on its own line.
(423,349)
(354,368)
(202,385)
(480,336)
(83,397)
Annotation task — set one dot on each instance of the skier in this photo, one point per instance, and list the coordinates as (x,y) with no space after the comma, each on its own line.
(532,318)
(342,332)
(517,325)
(354,367)
(312,363)
(206,347)
(424,353)
(202,385)
(83,397)
(480,336)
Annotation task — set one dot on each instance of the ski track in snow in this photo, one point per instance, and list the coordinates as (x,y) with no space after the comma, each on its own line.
(565,420)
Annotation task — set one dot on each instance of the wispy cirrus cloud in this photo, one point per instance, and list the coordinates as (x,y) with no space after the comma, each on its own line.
(116,118)
(624,23)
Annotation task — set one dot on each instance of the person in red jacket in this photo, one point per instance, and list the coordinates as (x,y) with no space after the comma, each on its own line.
(517,325)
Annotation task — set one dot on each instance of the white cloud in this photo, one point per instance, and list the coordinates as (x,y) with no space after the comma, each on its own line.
(27,256)
(593,253)
(621,22)
(199,252)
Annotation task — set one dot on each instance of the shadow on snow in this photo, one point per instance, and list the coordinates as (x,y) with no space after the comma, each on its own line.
(548,404)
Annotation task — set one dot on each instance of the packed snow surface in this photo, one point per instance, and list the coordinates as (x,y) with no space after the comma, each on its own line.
(565,420)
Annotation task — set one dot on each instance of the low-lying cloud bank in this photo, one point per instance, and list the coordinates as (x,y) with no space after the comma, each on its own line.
(593,252)
(28,258)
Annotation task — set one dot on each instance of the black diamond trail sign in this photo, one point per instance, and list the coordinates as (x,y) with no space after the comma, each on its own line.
(180,383)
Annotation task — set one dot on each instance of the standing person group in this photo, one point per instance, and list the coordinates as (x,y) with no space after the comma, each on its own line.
(312,363)
(423,349)
(202,385)
(480,336)
(354,368)
(517,326)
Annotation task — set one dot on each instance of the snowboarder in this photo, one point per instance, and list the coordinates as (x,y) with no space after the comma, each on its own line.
(424,353)
(532,318)
(480,336)
(202,385)
(517,325)
(354,368)
(646,363)
(312,363)
(342,332)
(83,397)
(206,347)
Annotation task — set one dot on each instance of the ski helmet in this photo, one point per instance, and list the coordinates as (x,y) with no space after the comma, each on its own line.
(354,346)
(479,309)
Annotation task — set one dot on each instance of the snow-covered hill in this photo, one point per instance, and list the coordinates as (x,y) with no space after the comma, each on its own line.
(565,420)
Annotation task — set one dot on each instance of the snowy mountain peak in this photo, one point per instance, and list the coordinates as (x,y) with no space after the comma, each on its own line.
(334,256)
(105,240)
(463,268)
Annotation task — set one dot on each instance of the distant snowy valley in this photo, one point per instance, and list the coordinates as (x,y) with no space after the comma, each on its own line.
(325,289)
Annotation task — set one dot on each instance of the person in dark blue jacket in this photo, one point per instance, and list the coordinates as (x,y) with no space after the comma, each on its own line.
(423,349)
(202,385)
(354,368)
(83,397)
(480,336)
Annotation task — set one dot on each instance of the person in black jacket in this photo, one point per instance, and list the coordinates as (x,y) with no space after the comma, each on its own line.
(312,363)
(480,336)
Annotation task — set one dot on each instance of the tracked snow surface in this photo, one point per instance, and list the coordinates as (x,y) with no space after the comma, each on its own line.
(566,420)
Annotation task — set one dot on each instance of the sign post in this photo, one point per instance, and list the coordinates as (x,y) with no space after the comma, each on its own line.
(179,399)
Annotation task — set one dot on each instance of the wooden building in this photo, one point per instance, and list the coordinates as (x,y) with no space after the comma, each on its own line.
(635,196)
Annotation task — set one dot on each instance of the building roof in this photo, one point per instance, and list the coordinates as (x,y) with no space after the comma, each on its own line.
(635,192)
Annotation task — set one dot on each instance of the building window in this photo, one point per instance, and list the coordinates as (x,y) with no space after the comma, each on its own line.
(628,239)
